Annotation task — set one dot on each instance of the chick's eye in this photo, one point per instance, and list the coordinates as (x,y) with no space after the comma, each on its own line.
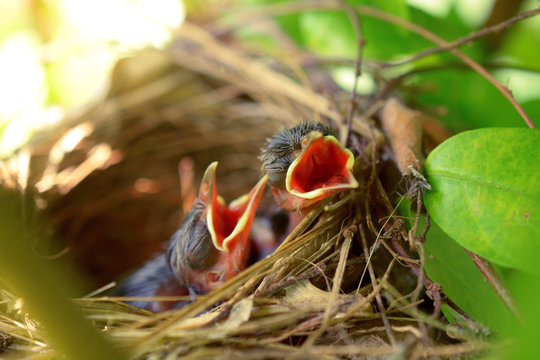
(215,278)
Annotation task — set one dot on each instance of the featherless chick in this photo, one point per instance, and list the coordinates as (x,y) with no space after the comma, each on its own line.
(210,248)
(306,164)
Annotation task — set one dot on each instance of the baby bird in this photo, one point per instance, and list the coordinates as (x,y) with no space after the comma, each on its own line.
(210,248)
(306,164)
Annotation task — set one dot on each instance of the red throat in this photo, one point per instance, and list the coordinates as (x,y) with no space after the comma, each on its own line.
(323,168)
(229,225)
(322,165)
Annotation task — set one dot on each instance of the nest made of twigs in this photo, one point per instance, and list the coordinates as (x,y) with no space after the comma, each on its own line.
(108,182)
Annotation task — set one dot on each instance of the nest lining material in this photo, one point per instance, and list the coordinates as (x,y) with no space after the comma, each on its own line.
(204,101)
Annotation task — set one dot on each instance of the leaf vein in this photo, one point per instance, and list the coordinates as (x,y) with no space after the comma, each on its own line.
(485,183)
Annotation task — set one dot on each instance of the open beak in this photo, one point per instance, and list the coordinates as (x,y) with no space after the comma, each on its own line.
(229,226)
(323,168)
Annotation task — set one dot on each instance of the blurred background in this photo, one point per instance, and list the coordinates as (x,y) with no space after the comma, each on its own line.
(97,110)
(107,122)
(56,56)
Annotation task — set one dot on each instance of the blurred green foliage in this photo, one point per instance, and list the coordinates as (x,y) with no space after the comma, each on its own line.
(45,287)
(440,84)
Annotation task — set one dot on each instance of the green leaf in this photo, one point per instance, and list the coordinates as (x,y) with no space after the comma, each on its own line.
(524,344)
(462,282)
(486,194)
(448,264)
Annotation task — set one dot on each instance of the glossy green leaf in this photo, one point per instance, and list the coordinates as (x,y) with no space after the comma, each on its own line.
(486,194)
(448,264)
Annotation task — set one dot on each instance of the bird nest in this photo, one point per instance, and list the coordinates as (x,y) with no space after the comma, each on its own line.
(115,180)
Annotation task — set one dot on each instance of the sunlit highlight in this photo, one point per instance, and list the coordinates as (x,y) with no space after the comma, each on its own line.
(129,23)
(87,38)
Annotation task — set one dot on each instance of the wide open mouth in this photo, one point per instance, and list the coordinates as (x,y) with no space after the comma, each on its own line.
(230,224)
(323,168)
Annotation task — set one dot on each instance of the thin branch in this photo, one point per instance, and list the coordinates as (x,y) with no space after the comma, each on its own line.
(495,281)
(363,301)
(360,42)
(412,233)
(455,65)
(428,283)
(372,65)
(288,8)
(421,274)
(435,291)
(392,294)
(384,16)
(378,298)
(466,39)
(427,226)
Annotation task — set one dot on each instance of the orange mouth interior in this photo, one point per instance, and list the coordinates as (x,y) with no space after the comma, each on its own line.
(324,164)
(225,219)
(229,226)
